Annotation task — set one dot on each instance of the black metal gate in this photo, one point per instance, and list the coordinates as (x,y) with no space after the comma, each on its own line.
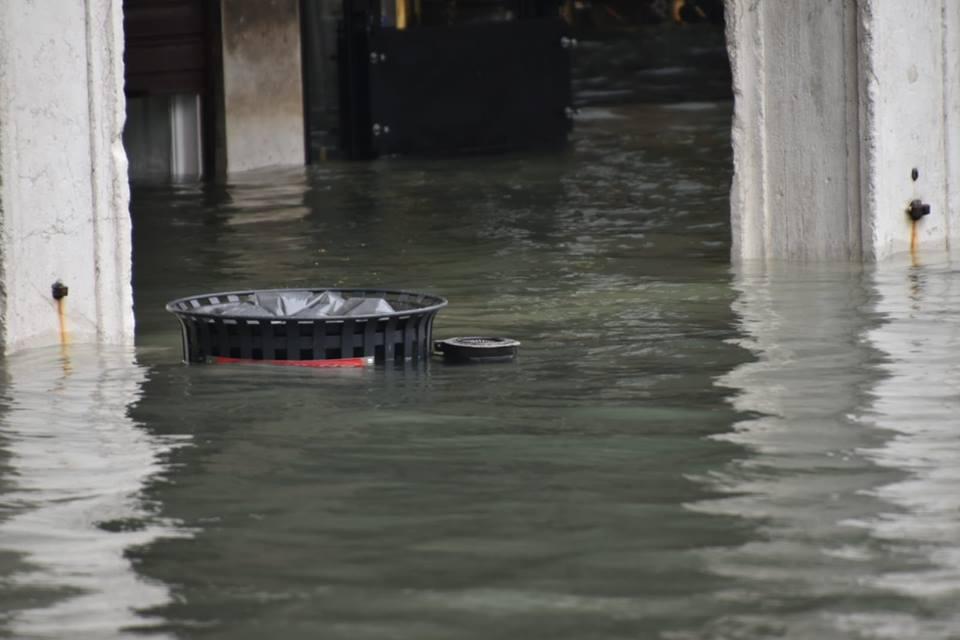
(463,88)
(458,88)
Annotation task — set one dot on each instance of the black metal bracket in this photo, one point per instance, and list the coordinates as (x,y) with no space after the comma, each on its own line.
(918,209)
(59,290)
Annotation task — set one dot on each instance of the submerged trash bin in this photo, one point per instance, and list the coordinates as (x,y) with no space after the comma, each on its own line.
(288,326)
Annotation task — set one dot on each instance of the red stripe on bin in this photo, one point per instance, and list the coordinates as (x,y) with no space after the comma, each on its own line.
(333,363)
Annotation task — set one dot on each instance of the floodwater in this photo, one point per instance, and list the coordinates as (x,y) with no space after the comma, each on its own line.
(684,450)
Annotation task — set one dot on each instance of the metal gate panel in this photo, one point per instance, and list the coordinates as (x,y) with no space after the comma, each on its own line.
(471,87)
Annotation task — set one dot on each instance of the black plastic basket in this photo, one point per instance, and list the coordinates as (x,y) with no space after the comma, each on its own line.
(401,335)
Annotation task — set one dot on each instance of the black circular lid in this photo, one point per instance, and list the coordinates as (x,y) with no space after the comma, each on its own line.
(470,347)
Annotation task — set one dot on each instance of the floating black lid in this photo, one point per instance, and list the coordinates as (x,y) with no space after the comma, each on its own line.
(477,348)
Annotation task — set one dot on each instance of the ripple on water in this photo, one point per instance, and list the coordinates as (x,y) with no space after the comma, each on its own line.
(75,468)
(853,470)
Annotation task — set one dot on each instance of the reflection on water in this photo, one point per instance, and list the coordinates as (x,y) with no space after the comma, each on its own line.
(803,476)
(852,472)
(918,403)
(74,467)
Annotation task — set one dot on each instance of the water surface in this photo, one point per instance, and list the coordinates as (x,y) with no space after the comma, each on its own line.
(684,450)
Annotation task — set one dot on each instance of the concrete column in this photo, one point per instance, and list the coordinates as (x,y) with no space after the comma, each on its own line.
(837,101)
(263,84)
(185,131)
(63,173)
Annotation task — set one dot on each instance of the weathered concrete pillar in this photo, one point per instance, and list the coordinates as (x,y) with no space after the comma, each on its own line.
(263,84)
(837,102)
(63,173)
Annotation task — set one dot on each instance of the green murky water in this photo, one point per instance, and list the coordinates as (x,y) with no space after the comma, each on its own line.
(683,450)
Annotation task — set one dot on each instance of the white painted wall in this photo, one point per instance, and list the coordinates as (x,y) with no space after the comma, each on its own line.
(63,172)
(836,102)
(263,84)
